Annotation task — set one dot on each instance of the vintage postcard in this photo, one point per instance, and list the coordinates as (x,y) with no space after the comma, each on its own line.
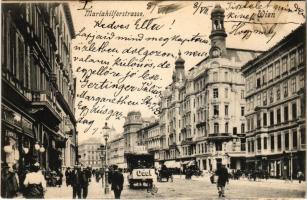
(153,99)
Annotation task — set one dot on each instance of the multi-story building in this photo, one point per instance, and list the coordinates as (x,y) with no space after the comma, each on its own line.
(90,152)
(38,87)
(203,110)
(275,114)
(116,151)
(132,125)
(149,138)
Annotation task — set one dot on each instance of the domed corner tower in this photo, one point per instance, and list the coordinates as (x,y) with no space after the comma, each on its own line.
(179,74)
(218,34)
(132,124)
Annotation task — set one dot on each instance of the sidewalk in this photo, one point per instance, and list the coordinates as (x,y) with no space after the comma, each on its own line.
(259,182)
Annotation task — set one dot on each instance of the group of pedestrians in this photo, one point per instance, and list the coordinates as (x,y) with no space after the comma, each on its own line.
(31,184)
(79,180)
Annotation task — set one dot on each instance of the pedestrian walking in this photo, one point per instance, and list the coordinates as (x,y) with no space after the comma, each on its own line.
(300,176)
(222,174)
(68,174)
(85,179)
(9,182)
(117,181)
(35,183)
(76,182)
(59,178)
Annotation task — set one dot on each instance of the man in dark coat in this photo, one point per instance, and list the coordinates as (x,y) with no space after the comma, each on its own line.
(117,180)
(86,175)
(68,175)
(222,174)
(76,182)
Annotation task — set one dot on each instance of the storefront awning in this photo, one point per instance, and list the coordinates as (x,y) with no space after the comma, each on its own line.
(172,164)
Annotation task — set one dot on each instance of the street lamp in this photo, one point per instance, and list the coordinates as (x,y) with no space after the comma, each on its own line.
(106,135)
(101,149)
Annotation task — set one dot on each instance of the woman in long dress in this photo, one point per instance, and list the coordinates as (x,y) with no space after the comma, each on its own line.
(35,183)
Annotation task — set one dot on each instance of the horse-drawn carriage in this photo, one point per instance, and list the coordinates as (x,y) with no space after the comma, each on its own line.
(164,174)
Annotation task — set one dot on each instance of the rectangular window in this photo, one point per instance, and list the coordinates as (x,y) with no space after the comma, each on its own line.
(292,59)
(265,143)
(218,146)
(293,85)
(226,110)
(226,127)
(252,123)
(264,100)
(259,143)
(253,145)
(264,76)
(270,75)
(216,128)
(271,118)
(285,86)
(294,139)
(302,80)
(301,55)
(287,140)
(242,94)
(242,128)
(234,130)
(226,92)
(226,76)
(279,141)
(215,93)
(278,116)
(258,83)
(216,110)
(21,59)
(258,120)
(284,64)
(277,69)
(286,113)
(294,112)
(271,96)
(272,142)
(215,76)
(259,100)
(242,111)
(264,119)
(277,92)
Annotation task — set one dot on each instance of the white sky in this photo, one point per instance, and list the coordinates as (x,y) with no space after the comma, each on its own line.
(186,24)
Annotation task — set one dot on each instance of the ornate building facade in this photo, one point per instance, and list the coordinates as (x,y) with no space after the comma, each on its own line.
(203,110)
(38,87)
(116,151)
(275,96)
(90,153)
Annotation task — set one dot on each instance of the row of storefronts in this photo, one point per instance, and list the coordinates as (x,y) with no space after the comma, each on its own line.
(38,89)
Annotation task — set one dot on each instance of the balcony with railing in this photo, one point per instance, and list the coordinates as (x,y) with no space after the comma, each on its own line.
(44,105)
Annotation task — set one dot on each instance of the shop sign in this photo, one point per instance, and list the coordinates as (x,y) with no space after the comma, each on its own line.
(142,173)
(11,116)
(26,124)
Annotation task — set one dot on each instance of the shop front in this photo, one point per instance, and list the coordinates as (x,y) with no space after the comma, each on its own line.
(17,138)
